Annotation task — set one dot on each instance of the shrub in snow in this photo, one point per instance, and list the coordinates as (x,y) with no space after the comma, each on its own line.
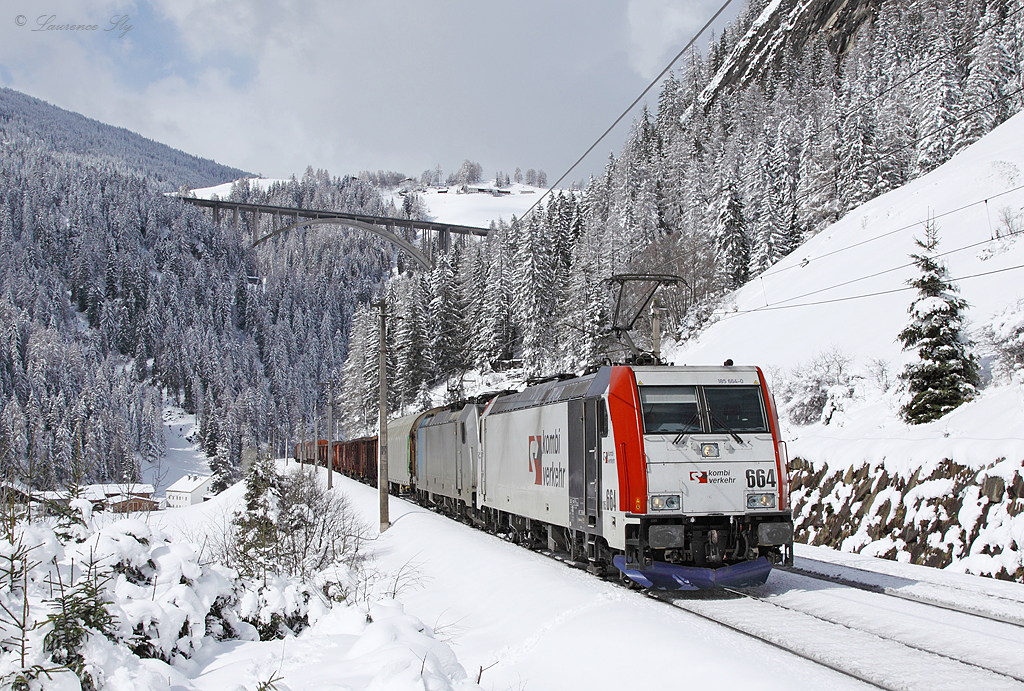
(320,529)
(122,588)
(814,392)
(79,610)
(293,542)
(947,373)
(1006,337)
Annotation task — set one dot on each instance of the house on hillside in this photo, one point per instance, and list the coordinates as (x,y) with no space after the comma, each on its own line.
(188,490)
(128,503)
(121,497)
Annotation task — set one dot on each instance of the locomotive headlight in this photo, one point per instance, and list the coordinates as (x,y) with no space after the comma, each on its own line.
(709,450)
(665,502)
(761,501)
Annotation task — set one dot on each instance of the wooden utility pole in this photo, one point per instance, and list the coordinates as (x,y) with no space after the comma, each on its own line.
(330,433)
(382,436)
(656,328)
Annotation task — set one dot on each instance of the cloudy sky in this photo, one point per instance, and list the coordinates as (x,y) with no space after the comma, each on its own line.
(271,86)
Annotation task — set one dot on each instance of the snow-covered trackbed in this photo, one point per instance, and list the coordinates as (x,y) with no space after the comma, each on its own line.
(880,638)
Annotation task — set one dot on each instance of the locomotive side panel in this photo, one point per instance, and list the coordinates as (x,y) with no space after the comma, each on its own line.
(437,449)
(524,463)
(467,452)
(401,449)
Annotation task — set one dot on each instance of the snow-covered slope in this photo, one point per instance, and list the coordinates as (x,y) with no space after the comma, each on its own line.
(847,286)
(846,290)
(528,621)
(224,190)
(866,480)
(479,209)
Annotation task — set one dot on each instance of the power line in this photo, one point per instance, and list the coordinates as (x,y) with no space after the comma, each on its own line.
(897,230)
(896,268)
(867,295)
(629,108)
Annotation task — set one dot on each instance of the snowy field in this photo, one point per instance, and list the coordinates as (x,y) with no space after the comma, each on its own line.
(532,622)
(479,209)
(446,205)
(223,191)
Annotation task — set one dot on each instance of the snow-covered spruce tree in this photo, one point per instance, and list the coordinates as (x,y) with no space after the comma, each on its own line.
(254,546)
(731,241)
(947,373)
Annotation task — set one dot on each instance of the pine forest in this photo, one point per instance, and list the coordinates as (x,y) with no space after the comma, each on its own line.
(115,297)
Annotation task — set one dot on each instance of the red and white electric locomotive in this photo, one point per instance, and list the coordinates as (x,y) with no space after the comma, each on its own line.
(676,475)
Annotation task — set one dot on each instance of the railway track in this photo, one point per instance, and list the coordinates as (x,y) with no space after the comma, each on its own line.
(883,655)
(857,652)
(853,674)
(911,658)
(870,582)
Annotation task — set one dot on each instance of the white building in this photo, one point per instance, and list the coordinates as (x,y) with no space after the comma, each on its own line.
(187,491)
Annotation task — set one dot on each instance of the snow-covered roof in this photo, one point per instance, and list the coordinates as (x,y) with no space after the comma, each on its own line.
(189,483)
(99,492)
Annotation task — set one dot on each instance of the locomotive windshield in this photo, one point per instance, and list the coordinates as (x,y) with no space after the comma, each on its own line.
(678,409)
(670,409)
(735,409)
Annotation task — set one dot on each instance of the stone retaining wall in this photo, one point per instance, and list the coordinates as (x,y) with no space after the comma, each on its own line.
(950,515)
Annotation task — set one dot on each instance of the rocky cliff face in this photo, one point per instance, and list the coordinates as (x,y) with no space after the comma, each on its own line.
(783,27)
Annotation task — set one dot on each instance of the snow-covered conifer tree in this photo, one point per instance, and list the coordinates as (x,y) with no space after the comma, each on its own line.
(731,242)
(988,74)
(946,374)
(941,98)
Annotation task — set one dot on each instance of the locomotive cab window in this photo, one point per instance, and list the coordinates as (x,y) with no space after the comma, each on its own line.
(736,408)
(670,409)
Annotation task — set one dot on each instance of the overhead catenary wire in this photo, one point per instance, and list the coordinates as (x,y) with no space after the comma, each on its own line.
(886,271)
(629,108)
(771,272)
(866,295)
(781,303)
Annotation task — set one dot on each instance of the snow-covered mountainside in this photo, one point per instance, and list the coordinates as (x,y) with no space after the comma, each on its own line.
(27,121)
(847,286)
(838,303)
(784,27)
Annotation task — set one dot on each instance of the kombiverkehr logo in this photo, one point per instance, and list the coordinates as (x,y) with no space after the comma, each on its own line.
(551,475)
(712,477)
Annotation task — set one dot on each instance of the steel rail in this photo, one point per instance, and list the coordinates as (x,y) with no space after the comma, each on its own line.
(657,595)
(892,592)
(847,625)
